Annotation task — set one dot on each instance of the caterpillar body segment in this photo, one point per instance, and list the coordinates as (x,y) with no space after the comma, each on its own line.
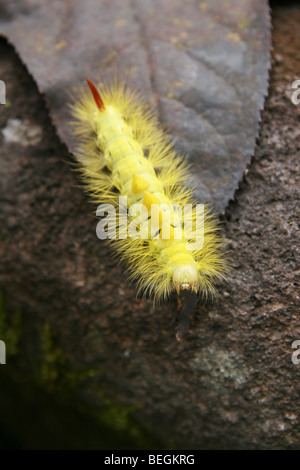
(124,153)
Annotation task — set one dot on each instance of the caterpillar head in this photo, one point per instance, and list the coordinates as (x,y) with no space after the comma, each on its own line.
(185,278)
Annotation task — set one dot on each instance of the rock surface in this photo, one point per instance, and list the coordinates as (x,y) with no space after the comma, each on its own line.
(232,382)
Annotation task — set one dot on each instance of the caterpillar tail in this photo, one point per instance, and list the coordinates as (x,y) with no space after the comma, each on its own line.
(187,301)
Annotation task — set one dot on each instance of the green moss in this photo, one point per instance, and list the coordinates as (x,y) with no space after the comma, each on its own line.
(53,372)
(117,416)
(54,386)
(10,329)
(55,376)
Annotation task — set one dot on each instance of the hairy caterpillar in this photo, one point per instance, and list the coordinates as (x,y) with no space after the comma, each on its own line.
(122,151)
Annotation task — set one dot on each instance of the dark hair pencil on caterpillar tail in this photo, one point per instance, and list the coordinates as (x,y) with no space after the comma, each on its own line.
(125,156)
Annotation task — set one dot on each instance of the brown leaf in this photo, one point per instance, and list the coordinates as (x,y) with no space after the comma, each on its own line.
(203,66)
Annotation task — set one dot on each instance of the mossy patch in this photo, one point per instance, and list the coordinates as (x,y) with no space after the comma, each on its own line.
(53,372)
(119,417)
(56,377)
(54,384)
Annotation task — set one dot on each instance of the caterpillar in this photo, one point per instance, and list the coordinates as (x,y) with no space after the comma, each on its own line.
(127,162)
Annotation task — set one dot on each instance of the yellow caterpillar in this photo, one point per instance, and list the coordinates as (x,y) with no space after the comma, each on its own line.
(123,152)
